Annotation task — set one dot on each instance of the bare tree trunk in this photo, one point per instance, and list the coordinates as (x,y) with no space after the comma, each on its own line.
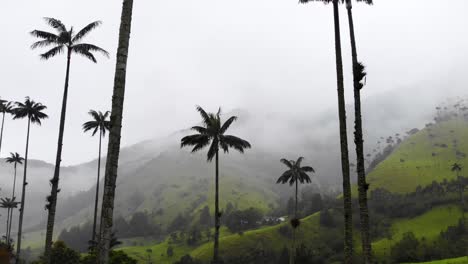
(1,132)
(348,214)
(7,226)
(110,177)
(23,197)
(94,237)
(217,216)
(55,180)
(12,210)
(359,141)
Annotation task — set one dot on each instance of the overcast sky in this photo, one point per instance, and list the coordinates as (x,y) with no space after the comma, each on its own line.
(261,55)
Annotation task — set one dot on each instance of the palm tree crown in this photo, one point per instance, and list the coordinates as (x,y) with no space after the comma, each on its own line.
(14,158)
(456,167)
(213,132)
(31,110)
(295,172)
(100,122)
(5,107)
(66,40)
(8,203)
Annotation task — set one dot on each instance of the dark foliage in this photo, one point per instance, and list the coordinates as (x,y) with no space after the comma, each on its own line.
(241,220)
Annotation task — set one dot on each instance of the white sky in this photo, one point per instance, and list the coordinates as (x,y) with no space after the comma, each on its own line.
(261,55)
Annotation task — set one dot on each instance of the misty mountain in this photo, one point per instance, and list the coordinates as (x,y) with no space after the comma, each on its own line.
(153,172)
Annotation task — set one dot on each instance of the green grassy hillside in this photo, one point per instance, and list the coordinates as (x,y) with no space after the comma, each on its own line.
(428,225)
(231,244)
(461,260)
(423,158)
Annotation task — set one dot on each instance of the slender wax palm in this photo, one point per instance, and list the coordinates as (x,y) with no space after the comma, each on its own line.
(62,41)
(348,210)
(10,204)
(212,133)
(34,113)
(5,108)
(358,78)
(295,175)
(15,159)
(457,168)
(113,150)
(101,124)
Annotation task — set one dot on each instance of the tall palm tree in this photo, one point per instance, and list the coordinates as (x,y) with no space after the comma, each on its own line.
(457,168)
(16,159)
(348,210)
(64,40)
(213,133)
(10,204)
(295,175)
(359,75)
(5,108)
(34,113)
(113,151)
(99,123)
(460,181)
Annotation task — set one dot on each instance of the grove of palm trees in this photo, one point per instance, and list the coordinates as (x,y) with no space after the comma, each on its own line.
(131,183)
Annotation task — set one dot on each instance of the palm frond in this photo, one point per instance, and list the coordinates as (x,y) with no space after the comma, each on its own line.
(85,47)
(53,52)
(227,124)
(299,161)
(83,32)
(307,169)
(235,142)
(55,23)
(90,125)
(45,35)
(202,142)
(192,140)
(287,163)
(86,54)
(199,129)
(206,118)
(284,178)
(42,43)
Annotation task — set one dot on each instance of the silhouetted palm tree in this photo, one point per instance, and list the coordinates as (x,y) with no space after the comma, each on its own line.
(34,113)
(99,123)
(460,181)
(348,210)
(5,108)
(295,175)
(115,132)
(16,159)
(457,168)
(10,204)
(64,40)
(359,75)
(213,133)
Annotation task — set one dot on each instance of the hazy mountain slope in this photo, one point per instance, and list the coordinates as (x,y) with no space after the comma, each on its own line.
(392,174)
(424,157)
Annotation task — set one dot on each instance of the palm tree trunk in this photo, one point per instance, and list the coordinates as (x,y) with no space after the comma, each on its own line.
(94,238)
(12,210)
(348,229)
(7,225)
(1,132)
(23,197)
(55,180)
(358,140)
(217,222)
(110,177)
